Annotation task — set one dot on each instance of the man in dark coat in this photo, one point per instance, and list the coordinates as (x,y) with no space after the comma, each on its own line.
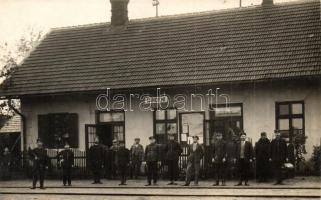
(195,155)
(5,163)
(219,156)
(152,157)
(262,156)
(66,160)
(113,150)
(122,161)
(96,160)
(136,157)
(278,156)
(244,159)
(172,152)
(40,162)
(231,148)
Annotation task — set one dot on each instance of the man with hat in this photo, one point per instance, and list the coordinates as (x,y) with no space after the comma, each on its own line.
(152,152)
(40,162)
(244,159)
(122,160)
(262,156)
(136,157)
(195,155)
(219,159)
(96,160)
(66,160)
(113,150)
(172,152)
(278,156)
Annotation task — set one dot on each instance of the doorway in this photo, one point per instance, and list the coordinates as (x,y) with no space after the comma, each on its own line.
(103,132)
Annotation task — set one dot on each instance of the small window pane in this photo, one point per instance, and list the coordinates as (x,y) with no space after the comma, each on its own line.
(297,123)
(297,108)
(284,124)
(160,115)
(119,133)
(285,134)
(284,109)
(171,114)
(171,128)
(105,117)
(160,128)
(118,116)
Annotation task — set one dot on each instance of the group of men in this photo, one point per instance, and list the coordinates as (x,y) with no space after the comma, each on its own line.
(241,154)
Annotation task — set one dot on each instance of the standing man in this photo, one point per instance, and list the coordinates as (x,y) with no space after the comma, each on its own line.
(244,159)
(172,152)
(5,163)
(136,157)
(231,146)
(113,150)
(40,161)
(219,159)
(151,158)
(195,155)
(66,160)
(96,160)
(278,156)
(262,156)
(122,160)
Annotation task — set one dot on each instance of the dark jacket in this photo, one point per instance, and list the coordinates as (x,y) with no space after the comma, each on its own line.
(137,152)
(219,151)
(278,150)
(248,151)
(197,155)
(172,150)
(231,149)
(67,158)
(122,156)
(262,150)
(152,153)
(39,158)
(96,156)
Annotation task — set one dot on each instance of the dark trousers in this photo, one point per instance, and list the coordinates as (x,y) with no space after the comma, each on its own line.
(172,169)
(220,171)
(193,168)
(96,174)
(38,174)
(152,171)
(122,171)
(278,174)
(136,164)
(262,169)
(244,170)
(66,176)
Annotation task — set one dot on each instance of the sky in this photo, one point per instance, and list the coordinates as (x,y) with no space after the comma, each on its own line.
(17,17)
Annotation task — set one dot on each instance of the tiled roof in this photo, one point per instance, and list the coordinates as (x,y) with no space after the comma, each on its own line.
(242,44)
(12,125)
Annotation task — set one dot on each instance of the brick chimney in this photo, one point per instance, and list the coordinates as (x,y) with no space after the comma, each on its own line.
(119,13)
(267,2)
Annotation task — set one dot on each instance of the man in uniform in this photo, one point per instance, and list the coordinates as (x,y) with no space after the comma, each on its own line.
(152,157)
(122,160)
(195,155)
(219,159)
(113,150)
(96,160)
(66,159)
(40,161)
(262,156)
(278,156)
(136,157)
(245,156)
(172,152)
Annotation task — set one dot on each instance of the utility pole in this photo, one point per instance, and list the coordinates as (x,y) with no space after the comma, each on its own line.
(156,3)
(240,3)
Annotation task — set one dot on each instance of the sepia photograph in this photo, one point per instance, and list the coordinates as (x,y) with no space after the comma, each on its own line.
(160,99)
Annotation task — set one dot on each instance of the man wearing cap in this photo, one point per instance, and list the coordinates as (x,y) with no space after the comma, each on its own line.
(195,155)
(172,152)
(278,156)
(152,157)
(262,156)
(113,150)
(122,161)
(66,160)
(136,157)
(219,156)
(244,159)
(96,160)
(40,162)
